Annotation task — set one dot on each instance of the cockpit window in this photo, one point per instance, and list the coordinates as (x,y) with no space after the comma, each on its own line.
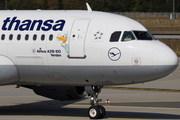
(143,35)
(128,36)
(115,36)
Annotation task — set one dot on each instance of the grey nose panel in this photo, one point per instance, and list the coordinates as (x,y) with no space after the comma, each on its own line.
(164,70)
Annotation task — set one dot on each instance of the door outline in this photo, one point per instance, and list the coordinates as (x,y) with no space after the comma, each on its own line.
(84,40)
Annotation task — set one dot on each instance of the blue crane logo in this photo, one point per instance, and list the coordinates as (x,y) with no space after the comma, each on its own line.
(114,54)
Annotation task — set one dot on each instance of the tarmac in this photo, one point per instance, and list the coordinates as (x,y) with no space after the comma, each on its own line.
(167,36)
(156,100)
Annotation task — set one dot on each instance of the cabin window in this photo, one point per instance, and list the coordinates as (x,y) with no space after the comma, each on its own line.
(143,35)
(2,36)
(34,37)
(50,37)
(115,36)
(42,37)
(18,37)
(26,37)
(127,36)
(10,36)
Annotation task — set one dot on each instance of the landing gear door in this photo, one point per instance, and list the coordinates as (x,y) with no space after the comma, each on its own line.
(77,39)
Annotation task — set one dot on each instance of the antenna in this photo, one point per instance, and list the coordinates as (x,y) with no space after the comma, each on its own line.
(88,7)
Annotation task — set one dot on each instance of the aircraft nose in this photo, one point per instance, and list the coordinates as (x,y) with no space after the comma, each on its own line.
(165,61)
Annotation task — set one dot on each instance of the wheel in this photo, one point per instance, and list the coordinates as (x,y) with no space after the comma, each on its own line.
(94,112)
(102,111)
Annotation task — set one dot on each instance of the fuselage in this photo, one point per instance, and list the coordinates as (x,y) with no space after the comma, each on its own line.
(79,48)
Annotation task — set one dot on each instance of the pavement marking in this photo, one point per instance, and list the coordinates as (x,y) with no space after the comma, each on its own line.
(169,74)
(126,119)
(144,107)
(143,101)
(127,107)
(142,89)
(88,104)
(73,117)
(18,96)
(153,92)
(129,101)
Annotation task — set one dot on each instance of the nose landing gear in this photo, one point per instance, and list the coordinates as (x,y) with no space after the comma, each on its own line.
(95,111)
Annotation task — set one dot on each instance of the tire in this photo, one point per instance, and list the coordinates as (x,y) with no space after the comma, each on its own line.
(102,111)
(94,112)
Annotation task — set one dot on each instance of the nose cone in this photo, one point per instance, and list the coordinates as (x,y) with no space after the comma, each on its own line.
(165,61)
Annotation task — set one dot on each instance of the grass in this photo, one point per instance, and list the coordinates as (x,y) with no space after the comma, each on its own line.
(160,25)
(173,44)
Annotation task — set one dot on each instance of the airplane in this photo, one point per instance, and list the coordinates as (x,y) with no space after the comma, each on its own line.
(68,54)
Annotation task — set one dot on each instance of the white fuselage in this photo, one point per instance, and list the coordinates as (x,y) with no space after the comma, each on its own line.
(74,48)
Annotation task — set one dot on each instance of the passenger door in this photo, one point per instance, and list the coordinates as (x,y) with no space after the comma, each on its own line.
(77,39)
